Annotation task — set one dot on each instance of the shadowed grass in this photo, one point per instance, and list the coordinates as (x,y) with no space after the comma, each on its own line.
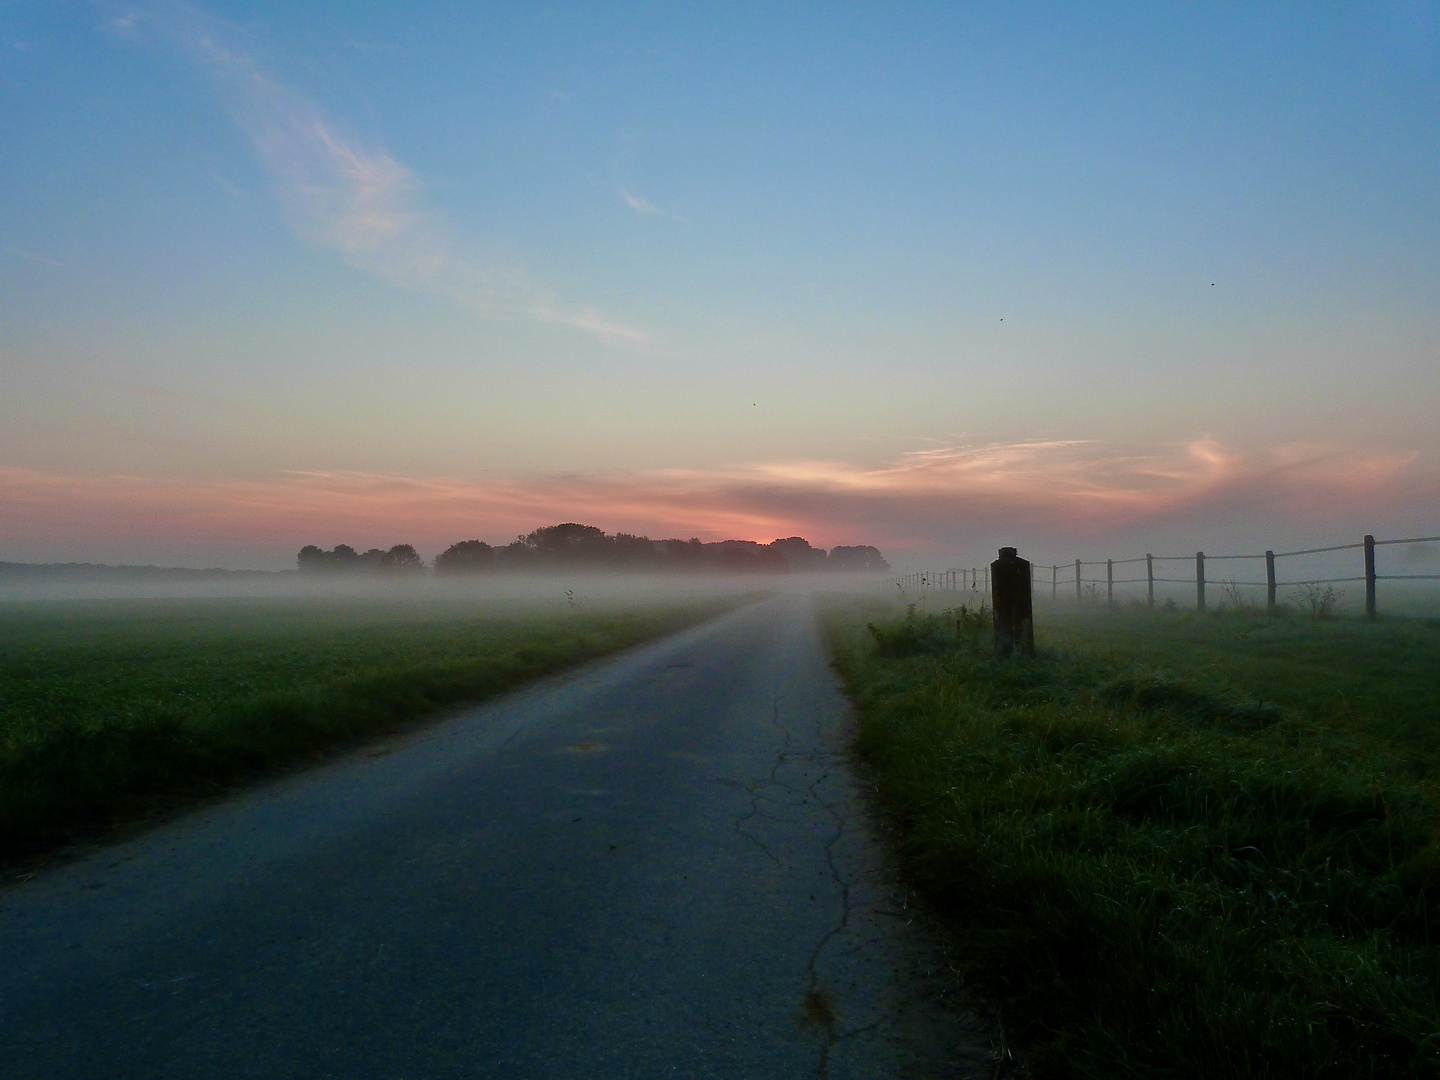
(106,706)
(1174,845)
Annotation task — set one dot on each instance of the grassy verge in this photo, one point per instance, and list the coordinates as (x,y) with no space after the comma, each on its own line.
(107,707)
(1174,845)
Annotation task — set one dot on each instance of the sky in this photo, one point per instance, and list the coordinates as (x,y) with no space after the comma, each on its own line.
(1088,279)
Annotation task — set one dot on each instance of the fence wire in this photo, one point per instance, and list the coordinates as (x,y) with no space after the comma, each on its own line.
(977,579)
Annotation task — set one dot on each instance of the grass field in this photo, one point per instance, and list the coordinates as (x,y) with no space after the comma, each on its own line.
(1173,845)
(107,707)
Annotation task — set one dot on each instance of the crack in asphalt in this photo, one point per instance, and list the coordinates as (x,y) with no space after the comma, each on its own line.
(755,791)
(808,812)
(816,988)
(818,1008)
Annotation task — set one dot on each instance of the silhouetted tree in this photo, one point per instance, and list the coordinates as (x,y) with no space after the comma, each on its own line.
(682,555)
(746,556)
(516,555)
(798,554)
(466,557)
(372,561)
(403,559)
(636,552)
(571,543)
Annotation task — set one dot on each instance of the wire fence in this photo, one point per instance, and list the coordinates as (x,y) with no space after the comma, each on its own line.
(976,580)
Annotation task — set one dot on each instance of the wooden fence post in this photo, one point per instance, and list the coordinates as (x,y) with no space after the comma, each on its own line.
(1110,581)
(1369,576)
(1269,580)
(1055,582)
(1200,580)
(1150,579)
(1077,581)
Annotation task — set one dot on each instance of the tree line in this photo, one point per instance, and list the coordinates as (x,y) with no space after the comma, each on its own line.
(400,559)
(572,546)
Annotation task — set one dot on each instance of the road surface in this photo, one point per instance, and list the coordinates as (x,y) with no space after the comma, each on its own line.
(658,865)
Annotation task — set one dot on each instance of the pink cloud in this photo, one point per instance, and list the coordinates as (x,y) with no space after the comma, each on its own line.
(937,499)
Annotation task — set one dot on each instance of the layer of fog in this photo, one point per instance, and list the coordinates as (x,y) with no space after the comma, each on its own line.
(557,589)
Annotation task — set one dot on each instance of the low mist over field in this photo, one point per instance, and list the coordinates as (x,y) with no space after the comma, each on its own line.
(571,565)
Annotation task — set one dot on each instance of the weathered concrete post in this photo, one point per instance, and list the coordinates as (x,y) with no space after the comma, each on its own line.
(1014,617)
(1369,577)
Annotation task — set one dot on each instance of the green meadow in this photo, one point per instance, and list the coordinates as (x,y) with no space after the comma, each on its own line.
(1172,844)
(112,708)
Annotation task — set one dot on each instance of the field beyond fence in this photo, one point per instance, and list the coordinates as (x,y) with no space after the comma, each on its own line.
(1311,589)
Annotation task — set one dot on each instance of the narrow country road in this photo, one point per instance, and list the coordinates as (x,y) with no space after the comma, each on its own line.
(657,866)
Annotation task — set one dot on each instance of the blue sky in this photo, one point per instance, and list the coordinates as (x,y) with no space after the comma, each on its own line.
(859,271)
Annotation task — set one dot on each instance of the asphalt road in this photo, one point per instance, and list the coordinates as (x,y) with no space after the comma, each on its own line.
(659,865)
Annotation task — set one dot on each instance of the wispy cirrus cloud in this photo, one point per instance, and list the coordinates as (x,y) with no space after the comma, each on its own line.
(1048,492)
(626,189)
(636,203)
(357,200)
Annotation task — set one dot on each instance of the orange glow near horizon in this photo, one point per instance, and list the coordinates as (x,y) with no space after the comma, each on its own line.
(1067,488)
